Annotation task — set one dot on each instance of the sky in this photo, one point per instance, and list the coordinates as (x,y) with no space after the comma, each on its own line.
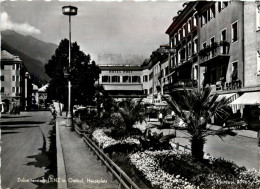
(126,27)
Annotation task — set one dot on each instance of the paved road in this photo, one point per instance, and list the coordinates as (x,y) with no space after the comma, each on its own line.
(244,151)
(24,138)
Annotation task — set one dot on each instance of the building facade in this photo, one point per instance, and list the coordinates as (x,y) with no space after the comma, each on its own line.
(15,82)
(216,44)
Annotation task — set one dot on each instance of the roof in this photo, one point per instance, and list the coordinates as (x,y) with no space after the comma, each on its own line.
(120,87)
(250,98)
(8,56)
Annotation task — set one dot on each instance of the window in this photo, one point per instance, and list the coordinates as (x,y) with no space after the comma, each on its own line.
(17,78)
(105,78)
(204,45)
(2,78)
(212,12)
(17,66)
(189,26)
(13,78)
(166,71)
(2,89)
(258,62)
(183,32)
(145,91)
(2,66)
(151,76)
(189,49)
(13,89)
(115,78)
(135,79)
(195,46)
(195,20)
(212,41)
(17,89)
(258,18)
(127,79)
(234,72)
(234,32)
(179,56)
(145,78)
(222,5)
(151,90)
(195,72)
(13,66)
(224,38)
(204,18)
(179,35)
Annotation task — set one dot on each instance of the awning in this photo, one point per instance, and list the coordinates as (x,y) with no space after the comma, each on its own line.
(137,87)
(250,98)
(231,96)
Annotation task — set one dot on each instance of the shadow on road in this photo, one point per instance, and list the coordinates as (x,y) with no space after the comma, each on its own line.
(7,116)
(7,133)
(47,159)
(20,127)
(20,122)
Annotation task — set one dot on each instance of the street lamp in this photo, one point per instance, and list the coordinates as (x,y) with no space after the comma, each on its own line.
(69,11)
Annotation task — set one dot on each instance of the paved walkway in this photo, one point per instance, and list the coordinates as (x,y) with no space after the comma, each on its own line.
(83,170)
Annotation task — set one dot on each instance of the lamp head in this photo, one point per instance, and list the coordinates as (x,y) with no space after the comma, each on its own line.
(69,10)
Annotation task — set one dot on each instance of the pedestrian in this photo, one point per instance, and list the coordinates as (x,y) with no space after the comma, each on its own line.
(161,117)
(173,115)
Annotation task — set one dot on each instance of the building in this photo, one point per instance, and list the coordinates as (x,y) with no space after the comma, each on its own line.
(216,44)
(122,81)
(13,81)
(138,78)
(183,61)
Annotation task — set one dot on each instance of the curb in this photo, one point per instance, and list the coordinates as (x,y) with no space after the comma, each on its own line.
(61,170)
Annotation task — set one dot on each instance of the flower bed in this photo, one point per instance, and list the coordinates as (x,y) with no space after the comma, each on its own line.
(171,169)
(109,144)
(148,164)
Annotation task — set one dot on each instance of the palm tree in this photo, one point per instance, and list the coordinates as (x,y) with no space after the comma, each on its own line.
(132,112)
(196,108)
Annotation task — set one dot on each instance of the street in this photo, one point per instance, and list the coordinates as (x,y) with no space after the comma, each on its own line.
(242,150)
(24,143)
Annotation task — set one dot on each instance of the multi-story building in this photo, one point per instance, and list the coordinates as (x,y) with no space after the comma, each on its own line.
(137,80)
(183,61)
(13,81)
(216,44)
(122,81)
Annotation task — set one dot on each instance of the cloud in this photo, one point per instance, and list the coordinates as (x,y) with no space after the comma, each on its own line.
(7,24)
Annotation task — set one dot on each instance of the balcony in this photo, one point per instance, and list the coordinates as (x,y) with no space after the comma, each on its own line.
(221,85)
(187,83)
(217,52)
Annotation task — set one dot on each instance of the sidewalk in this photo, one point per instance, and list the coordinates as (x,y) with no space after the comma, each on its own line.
(81,167)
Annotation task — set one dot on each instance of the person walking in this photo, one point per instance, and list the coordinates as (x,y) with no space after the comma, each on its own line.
(161,117)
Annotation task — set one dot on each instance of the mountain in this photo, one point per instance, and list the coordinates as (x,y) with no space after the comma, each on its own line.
(33,52)
(119,59)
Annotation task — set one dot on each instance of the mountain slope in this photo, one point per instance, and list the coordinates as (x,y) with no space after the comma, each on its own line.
(33,52)
(28,45)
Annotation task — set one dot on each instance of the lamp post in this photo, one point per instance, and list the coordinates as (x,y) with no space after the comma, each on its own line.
(69,11)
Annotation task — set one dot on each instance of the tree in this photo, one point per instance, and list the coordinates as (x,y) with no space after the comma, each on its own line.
(131,112)
(196,108)
(83,74)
